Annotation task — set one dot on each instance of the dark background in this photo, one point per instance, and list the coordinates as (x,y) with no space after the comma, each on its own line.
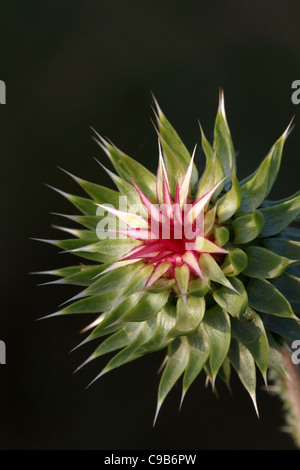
(69,65)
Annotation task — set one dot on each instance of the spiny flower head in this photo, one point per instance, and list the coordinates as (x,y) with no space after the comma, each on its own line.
(207,267)
(172,234)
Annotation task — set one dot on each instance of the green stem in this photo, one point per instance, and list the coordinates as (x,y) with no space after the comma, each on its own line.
(288,390)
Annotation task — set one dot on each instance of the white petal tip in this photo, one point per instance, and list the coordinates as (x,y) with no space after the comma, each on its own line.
(182,398)
(86,340)
(253,398)
(104,371)
(47,273)
(78,180)
(222,103)
(83,364)
(289,128)
(156,413)
(56,314)
(49,283)
(76,297)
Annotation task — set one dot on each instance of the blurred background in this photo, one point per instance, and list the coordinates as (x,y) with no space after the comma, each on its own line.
(72,64)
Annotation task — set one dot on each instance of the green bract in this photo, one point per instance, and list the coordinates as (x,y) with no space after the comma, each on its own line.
(227,296)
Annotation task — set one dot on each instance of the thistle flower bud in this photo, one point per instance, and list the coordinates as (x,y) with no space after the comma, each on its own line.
(206,267)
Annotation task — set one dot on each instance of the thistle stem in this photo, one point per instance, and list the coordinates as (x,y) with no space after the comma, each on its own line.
(288,390)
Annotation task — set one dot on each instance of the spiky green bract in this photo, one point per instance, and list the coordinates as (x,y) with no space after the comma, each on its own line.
(223,298)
